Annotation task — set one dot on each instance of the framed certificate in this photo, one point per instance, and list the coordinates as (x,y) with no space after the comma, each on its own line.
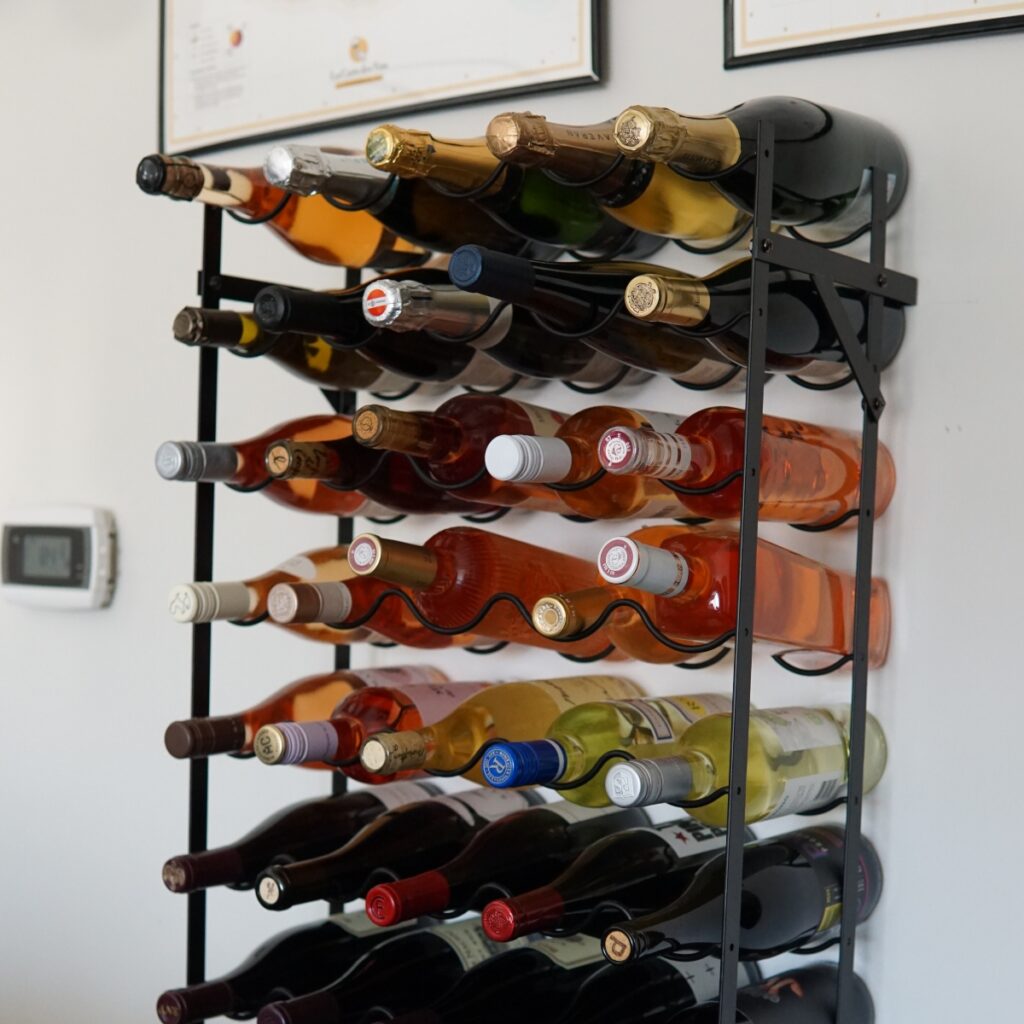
(764,30)
(237,71)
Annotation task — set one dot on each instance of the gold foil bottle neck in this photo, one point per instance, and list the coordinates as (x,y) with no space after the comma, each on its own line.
(521,138)
(684,301)
(637,131)
(402,151)
(700,144)
(392,752)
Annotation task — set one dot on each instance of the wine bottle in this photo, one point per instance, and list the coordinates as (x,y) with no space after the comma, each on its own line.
(694,574)
(512,855)
(334,604)
(246,600)
(297,961)
(402,974)
(536,982)
(311,226)
(587,297)
(571,457)
(409,207)
(454,573)
(307,357)
(400,842)
(798,761)
(800,339)
(792,897)
(452,441)
(809,474)
(578,737)
(645,195)
(348,466)
(305,700)
(377,708)
(804,996)
(240,464)
(823,157)
(525,200)
(514,339)
(512,711)
(338,317)
(300,831)
(633,871)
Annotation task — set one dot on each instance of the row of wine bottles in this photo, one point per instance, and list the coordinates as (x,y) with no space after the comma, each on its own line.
(479,584)
(336,971)
(484,452)
(533,186)
(378,726)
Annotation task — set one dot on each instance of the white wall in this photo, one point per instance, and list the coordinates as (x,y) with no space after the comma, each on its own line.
(91,272)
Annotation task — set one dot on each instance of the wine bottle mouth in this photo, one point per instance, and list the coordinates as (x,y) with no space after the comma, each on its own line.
(521,764)
(175,876)
(522,138)
(269,892)
(618,450)
(619,946)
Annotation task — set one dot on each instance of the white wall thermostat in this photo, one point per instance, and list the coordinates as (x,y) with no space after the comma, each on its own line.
(59,556)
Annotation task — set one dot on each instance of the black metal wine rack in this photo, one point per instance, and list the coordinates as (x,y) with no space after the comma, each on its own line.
(768,249)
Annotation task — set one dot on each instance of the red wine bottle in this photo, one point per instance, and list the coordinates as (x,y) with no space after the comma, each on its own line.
(513,854)
(792,897)
(295,962)
(401,842)
(625,867)
(407,972)
(302,830)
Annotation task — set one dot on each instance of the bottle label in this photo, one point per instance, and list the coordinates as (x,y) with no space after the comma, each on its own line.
(689,836)
(398,794)
(567,693)
(703,977)
(694,707)
(435,701)
(399,675)
(573,813)
(470,944)
(495,334)
(489,804)
(358,924)
(545,422)
(806,791)
(573,951)
(300,566)
(802,728)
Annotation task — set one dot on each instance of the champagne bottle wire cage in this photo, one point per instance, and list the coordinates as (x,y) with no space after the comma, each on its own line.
(827,268)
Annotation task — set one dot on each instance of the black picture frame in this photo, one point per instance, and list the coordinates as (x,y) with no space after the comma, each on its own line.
(1011,23)
(598,50)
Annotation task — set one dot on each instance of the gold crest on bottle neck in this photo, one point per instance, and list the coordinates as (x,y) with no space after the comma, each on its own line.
(699,144)
(456,163)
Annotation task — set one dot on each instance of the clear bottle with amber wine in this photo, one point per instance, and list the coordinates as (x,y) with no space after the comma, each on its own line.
(511,855)
(357,716)
(635,871)
(305,700)
(571,457)
(585,298)
(410,207)
(514,339)
(801,337)
(402,841)
(309,225)
(526,200)
(822,166)
(515,711)
(694,572)
(577,739)
(384,477)
(809,474)
(456,572)
(241,464)
(798,761)
(792,897)
(307,357)
(300,831)
(452,441)
(298,961)
(645,195)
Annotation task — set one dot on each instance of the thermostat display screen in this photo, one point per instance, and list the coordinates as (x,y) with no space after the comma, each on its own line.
(46,556)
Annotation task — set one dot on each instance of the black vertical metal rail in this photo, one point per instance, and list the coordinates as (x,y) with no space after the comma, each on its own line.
(743,648)
(199,770)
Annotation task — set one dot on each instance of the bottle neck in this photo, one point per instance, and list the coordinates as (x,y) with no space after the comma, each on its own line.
(308,170)
(303,460)
(640,452)
(223,328)
(422,434)
(684,301)
(199,460)
(699,145)
(562,615)
(201,737)
(192,872)
(462,164)
(526,458)
(689,775)
(410,565)
(181,178)
(197,1002)
(626,563)
(411,306)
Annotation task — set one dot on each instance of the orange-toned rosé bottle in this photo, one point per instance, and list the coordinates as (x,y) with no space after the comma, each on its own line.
(571,457)
(809,474)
